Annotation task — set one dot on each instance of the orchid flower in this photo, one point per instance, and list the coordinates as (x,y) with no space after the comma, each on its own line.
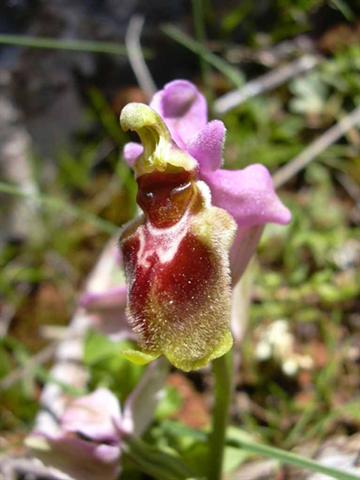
(177,256)
(247,194)
(87,442)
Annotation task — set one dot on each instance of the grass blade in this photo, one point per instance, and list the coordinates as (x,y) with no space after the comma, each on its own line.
(152,461)
(111,48)
(292,459)
(231,73)
(282,456)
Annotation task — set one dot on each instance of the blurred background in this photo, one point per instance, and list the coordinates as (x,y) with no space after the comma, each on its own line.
(66,70)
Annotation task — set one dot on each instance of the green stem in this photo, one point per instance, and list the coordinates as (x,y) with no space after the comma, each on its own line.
(222,371)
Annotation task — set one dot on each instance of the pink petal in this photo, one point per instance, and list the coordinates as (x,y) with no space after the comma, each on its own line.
(183,108)
(240,306)
(87,443)
(106,312)
(112,299)
(248,195)
(243,248)
(142,401)
(207,147)
(81,459)
(94,416)
(132,151)
(115,325)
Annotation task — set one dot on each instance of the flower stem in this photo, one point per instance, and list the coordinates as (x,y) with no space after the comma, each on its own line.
(222,371)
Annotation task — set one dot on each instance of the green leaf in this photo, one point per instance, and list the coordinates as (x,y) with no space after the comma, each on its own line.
(153,461)
(99,347)
(137,357)
(108,367)
(193,446)
(310,94)
(169,404)
(344,8)
(233,458)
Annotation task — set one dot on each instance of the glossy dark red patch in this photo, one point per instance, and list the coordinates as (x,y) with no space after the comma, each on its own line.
(164,197)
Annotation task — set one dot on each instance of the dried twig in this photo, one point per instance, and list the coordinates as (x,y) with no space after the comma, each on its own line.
(256,470)
(7,314)
(38,359)
(350,186)
(8,310)
(266,82)
(273,55)
(331,136)
(136,57)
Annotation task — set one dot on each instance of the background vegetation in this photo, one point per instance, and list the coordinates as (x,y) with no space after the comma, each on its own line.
(305,279)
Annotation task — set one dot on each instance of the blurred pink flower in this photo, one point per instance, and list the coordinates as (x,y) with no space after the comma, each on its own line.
(87,442)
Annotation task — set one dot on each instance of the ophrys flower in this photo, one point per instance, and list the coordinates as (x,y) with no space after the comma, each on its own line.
(177,253)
